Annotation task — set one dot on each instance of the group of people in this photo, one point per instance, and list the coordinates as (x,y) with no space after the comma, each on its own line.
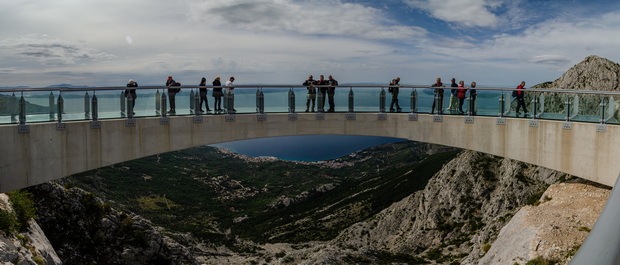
(458,93)
(325,87)
(218,92)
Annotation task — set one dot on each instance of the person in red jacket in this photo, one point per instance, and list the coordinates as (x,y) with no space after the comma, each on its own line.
(521,98)
(460,94)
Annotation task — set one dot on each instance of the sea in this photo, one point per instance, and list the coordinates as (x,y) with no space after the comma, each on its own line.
(306,147)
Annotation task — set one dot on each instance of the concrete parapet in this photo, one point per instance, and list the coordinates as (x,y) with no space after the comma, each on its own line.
(45,153)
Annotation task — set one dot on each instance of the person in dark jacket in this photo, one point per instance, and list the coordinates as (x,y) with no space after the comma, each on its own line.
(473,94)
(323,90)
(309,83)
(203,95)
(394,89)
(132,92)
(521,98)
(331,90)
(217,94)
(172,94)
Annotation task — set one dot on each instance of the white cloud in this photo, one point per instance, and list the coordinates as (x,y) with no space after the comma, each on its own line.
(469,13)
(326,17)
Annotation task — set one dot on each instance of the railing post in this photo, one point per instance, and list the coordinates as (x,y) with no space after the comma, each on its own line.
(157,103)
(261,102)
(291,101)
(86,106)
(414,100)
(470,105)
(52,108)
(225,99)
(14,108)
(382,101)
(231,103)
(351,100)
(61,107)
(22,110)
(129,106)
(568,104)
(192,101)
(95,106)
(22,127)
(502,103)
(602,106)
(321,101)
(535,106)
(197,104)
(123,104)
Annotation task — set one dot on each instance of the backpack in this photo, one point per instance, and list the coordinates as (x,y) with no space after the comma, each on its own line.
(515,93)
(178,89)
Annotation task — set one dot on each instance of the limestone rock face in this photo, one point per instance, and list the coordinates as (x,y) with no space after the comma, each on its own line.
(461,209)
(593,73)
(553,230)
(27,247)
(85,230)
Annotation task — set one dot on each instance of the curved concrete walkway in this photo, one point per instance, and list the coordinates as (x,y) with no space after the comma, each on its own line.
(46,154)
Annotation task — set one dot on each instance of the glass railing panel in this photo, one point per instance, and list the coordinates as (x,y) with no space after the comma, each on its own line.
(75,105)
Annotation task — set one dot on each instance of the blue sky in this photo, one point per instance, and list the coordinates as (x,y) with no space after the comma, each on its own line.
(492,42)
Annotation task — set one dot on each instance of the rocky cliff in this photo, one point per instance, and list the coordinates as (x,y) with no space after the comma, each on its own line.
(456,219)
(593,73)
(29,246)
(85,230)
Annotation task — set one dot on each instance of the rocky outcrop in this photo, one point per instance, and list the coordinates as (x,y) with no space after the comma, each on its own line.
(553,229)
(462,209)
(593,73)
(29,247)
(85,230)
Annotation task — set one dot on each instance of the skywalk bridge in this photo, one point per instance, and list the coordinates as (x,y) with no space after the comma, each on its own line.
(51,133)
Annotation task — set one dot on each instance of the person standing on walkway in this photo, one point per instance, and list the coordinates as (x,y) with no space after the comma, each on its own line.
(331,90)
(203,95)
(230,92)
(172,92)
(453,96)
(438,100)
(472,94)
(322,82)
(217,94)
(461,93)
(309,83)
(132,92)
(394,89)
(521,98)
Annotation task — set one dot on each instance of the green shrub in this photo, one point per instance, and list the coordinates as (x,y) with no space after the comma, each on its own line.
(8,222)
(486,248)
(542,261)
(24,208)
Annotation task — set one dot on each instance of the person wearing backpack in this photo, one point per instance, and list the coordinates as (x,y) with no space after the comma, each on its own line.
(394,89)
(131,92)
(520,95)
(172,93)
(309,83)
